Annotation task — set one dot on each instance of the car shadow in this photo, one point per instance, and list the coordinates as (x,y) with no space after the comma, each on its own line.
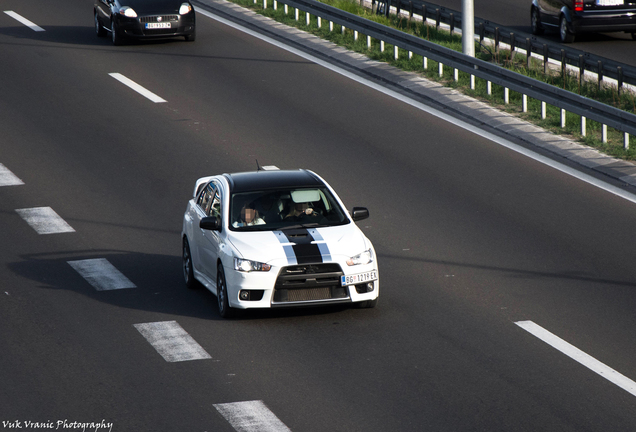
(159,285)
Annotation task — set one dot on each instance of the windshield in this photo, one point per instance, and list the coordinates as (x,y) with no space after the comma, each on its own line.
(285,209)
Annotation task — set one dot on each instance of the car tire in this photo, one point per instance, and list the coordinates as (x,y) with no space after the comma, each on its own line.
(535,22)
(116,37)
(634,36)
(221,295)
(100,31)
(191,37)
(566,35)
(188,266)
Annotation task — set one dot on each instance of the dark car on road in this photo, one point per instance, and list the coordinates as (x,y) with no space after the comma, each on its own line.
(144,19)
(572,17)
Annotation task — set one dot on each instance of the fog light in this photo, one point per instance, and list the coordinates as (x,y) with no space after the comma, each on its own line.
(244,295)
(370,286)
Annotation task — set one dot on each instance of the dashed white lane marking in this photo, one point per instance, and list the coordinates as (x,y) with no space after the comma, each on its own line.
(7,178)
(136,87)
(580,356)
(251,416)
(44,220)
(172,341)
(100,273)
(24,21)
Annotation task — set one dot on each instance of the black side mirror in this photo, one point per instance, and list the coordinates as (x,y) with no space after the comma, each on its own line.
(210,223)
(359,213)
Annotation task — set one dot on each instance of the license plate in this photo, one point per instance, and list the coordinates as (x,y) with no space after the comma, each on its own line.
(358,278)
(610,2)
(157,25)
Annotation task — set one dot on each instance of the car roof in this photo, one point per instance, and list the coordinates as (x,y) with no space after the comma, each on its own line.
(260,180)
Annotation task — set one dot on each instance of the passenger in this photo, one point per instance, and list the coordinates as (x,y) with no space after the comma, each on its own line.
(248,217)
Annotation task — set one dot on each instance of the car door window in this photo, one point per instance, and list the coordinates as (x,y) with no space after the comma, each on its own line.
(215,208)
(205,198)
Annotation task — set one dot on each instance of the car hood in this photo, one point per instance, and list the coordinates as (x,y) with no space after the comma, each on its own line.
(154,7)
(300,246)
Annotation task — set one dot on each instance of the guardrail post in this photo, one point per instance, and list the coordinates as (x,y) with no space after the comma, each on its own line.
(625,140)
(562,118)
(307,19)
(297,15)
(398,8)
(395,51)
(330,26)
(441,69)
(489,88)
(524,103)
(275,4)
(456,74)
(506,95)
(563,66)
(512,45)
(544,110)
(496,39)
(368,42)
(482,32)
(424,13)
(410,11)
(545,59)
(619,69)
(583,126)
(600,75)
(452,23)
(438,18)
(381,46)
(319,22)
(604,134)
(528,52)
(286,9)
(343,28)
(355,35)
(388,8)
(581,71)
(425,63)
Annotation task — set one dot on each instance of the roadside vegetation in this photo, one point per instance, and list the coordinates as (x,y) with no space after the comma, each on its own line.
(606,94)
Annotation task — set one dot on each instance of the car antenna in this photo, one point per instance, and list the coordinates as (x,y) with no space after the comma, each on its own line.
(258,167)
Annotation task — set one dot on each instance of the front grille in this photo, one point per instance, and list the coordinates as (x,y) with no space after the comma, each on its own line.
(309,282)
(159,31)
(153,19)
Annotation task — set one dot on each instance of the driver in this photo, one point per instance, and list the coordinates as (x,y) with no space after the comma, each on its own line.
(301,210)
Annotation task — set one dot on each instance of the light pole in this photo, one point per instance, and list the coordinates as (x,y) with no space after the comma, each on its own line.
(468,27)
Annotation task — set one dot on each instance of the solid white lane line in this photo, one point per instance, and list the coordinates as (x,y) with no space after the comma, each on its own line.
(101,274)
(172,341)
(437,113)
(24,21)
(44,220)
(136,87)
(251,416)
(7,178)
(580,356)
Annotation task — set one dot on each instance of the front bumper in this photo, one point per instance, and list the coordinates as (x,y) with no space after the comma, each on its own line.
(300,285)
(157,26)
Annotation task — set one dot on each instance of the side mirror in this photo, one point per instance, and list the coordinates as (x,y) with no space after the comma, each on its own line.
(210,223)
(359,213)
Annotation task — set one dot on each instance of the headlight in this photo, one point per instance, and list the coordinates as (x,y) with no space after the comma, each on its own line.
(185,8)
(248,266)
(128,12)
(362,258)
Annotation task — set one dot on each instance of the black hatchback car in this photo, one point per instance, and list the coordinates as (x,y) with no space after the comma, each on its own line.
(572,17)
(144,19)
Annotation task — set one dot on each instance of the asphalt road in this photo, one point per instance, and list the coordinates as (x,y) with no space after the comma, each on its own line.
(516,15)
(472,238)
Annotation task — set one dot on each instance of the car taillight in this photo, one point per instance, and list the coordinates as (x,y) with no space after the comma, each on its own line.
(578,5)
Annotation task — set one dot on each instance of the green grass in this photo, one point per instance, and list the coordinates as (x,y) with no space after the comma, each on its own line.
(608,95)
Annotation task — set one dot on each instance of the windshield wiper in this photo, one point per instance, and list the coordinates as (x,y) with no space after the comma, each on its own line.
(306,225)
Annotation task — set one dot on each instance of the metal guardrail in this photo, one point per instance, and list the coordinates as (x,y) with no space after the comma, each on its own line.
(585,107)
(582,60)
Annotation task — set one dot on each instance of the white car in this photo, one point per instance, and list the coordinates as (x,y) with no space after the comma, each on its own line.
(274,238)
